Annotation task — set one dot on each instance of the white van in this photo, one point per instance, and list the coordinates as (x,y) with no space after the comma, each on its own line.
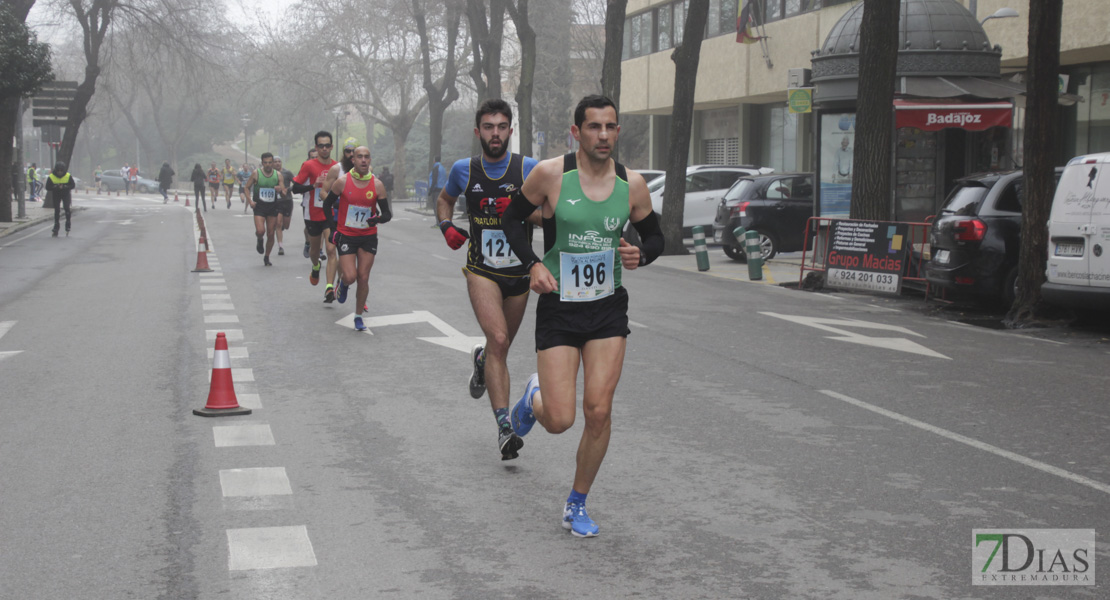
(1079,235)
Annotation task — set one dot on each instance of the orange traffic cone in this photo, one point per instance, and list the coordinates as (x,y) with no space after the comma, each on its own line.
(221,393)
(186,199)
(175,197)
(202,263)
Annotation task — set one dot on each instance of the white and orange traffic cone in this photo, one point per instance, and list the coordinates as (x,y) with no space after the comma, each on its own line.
(221,393)
(202,262)
(175,196)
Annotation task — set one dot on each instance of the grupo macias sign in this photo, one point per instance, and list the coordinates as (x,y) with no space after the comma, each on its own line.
(934,116)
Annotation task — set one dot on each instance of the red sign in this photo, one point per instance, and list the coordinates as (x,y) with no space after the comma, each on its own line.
(937,116)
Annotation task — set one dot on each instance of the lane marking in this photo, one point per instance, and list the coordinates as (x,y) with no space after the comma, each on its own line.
(32,234)
(221,318)
(218,306)
(259,481)
(269,548)
(886,343)
(1029,462)
(440,257)
(452,338)
(233,335)
(251,401)
(214,297)
(227,436)
(213,288)
(635,324)
(232,352)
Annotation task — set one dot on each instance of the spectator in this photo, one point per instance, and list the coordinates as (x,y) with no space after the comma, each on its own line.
(437,178)
(33,182)
(60,183)
(200,180)
(133,177)
(97,175)
(165,179)
(387,180)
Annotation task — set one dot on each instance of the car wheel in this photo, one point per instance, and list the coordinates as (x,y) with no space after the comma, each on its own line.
(735,253)
(1010,287)
(768,245)
(143,189)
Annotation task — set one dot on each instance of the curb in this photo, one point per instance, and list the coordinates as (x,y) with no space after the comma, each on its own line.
(20,226)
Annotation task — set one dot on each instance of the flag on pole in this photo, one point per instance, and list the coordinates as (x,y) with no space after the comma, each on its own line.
(744,24)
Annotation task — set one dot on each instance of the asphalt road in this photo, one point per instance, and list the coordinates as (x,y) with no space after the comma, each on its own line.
(767,443)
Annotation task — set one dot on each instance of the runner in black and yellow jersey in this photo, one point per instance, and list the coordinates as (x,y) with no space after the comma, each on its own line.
(495,278)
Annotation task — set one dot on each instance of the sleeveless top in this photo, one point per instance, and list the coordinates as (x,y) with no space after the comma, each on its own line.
(486,201)
(264,188)
(582,237)
(356,205)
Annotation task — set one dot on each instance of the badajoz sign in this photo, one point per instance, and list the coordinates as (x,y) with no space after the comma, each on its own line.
(1033,557)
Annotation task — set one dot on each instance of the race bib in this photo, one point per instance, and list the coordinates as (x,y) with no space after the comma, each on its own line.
(357,216)
(495,250)
(267,194)
(585,277)
(318,197)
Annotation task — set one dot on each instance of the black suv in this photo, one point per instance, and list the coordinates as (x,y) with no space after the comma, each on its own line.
(777,206)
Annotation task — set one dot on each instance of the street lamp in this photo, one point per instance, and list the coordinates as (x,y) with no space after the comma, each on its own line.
(1001,13)
(246,119)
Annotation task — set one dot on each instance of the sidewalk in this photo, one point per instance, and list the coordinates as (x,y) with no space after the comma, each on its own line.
(35,214)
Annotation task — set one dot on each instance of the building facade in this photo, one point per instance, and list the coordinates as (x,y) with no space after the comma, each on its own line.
(741,113)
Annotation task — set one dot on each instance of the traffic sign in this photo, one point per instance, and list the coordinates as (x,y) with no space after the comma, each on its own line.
(50,107)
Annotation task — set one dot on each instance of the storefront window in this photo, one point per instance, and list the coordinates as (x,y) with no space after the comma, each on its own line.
(778,137)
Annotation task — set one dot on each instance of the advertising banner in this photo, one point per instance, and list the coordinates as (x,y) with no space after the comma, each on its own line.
(866,255)
(937,116)
(838,135)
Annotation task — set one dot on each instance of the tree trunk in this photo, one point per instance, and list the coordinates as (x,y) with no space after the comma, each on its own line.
(9,121)
(1045,18)
(686,58)
(614,46)
(443,95)
(871,159)
(527,38)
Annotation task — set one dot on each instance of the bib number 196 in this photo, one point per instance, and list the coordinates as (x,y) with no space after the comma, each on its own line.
(585,277)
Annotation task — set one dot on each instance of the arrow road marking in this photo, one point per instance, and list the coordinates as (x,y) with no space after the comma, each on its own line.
(5,327)
(452,338)
(887,343)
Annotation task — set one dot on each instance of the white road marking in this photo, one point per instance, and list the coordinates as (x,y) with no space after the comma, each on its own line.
(216,297)
(32,234)
(232,352)
(233,335)
(218,306)
(269,548)
(213,288)
(887,343)
(251,401)
(211,274)
(635,324)
(262,481)
(5,327)
(219,281)
(221,318)
(453,338)
(227,436)
(440,257)
(396,242)
(974,443)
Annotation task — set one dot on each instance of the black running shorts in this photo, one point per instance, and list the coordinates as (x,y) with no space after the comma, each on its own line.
(561,323)
(285,207)
(265,209)
(510,286)
(351,244)
(315,228)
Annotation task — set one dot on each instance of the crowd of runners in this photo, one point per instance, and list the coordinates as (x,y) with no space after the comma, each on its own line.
(582,201)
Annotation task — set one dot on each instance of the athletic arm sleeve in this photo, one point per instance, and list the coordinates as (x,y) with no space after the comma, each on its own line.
(301,188)
(516,232)
(651,237)
(384,212)
(329,202)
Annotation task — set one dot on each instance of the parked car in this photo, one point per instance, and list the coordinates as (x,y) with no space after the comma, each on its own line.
(975,239)
(705,184)
(1079,236)
(112,180)
(651,175)
(776,206)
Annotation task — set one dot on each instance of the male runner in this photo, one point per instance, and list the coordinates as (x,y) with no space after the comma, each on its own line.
(363,205)
(241,177)
(263,199)
(305,198)
(284,203)
(345,164)
(97,174)
(496,280)
(229,180)
(582,312)
(311,179)
(133,178)
(214,183)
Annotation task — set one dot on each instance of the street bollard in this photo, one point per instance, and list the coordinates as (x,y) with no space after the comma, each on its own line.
(755,255)
(700,250)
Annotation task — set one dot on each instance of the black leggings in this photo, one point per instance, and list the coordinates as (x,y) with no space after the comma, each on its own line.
(198,193)
(58,212)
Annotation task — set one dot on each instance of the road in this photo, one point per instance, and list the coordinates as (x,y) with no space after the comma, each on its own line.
(767,442)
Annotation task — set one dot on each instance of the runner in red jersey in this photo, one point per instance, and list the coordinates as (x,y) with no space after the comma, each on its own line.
(311,180)
(362,206)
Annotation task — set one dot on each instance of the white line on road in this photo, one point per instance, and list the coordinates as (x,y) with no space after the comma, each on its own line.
(221,318)
(260,481)
(635,324)
(227,436)
(218,306)
(32,234)
(1029,462)
(269,548)
(440,257)
(232,335)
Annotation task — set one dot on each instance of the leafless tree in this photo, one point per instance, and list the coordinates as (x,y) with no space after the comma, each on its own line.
(486,31)
(686,57)
(440,87)
(518,10)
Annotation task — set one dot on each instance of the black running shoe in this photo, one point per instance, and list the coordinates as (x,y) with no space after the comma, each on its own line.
(509,443)
(258,246)
(281,251)
(478,376)
(266,261)
(329,295)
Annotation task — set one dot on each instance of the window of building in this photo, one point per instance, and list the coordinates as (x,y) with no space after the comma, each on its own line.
(646,33)
(722,151)
(778,135)
(663,25)
(730,11)
(680,11)
(773,10)
(713,23)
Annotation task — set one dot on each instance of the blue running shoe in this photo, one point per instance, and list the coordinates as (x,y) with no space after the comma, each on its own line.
(523,417)
(359,325)
(341,293)
(577,521)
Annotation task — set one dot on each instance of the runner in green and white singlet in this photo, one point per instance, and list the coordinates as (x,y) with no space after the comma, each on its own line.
(263,188)
(582,313)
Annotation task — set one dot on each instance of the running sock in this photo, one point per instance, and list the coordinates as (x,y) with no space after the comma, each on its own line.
(575,497)
(330,286)
(502,416)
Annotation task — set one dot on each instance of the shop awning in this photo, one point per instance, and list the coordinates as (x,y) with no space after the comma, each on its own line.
(934,116)
(951,87)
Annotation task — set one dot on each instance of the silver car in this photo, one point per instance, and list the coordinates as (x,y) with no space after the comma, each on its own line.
(705,185)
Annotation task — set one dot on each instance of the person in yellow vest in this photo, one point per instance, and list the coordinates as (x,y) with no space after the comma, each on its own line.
(60,182)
